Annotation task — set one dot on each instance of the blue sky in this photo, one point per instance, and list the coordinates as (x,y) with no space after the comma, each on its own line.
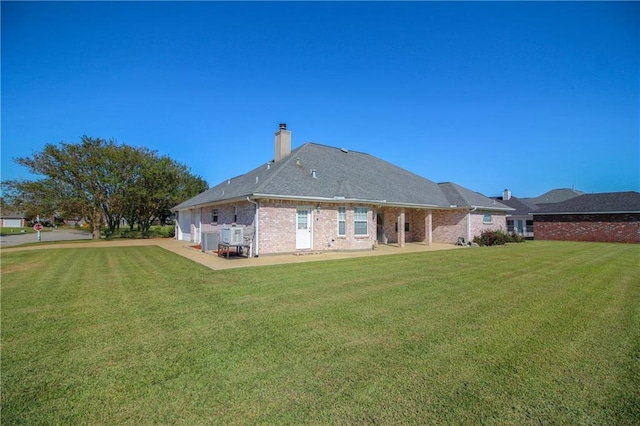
(525,96)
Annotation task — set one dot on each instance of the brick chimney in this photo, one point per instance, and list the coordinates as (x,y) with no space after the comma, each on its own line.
(283,142)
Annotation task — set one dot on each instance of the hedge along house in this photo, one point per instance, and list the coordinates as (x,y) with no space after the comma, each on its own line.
(318,197)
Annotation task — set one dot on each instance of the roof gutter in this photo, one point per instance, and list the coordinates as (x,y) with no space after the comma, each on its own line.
(256,227)
(471,210)
(342,200)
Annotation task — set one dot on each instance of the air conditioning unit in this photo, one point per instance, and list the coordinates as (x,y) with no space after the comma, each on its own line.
(231,236)
(209,241)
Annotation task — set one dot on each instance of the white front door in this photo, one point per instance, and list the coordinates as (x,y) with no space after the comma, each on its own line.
(303,228)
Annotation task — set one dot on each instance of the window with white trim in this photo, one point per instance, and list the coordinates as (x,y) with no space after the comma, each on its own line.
(342,221)
(235,214)
(360,221)
(214,215)
(487,219)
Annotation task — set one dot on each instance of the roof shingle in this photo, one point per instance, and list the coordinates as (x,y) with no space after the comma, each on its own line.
(340,175)
(608,202)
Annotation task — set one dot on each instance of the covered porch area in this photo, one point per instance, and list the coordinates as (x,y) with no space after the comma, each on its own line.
(398,226)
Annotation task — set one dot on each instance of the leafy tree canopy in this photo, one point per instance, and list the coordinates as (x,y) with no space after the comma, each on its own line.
(102,182)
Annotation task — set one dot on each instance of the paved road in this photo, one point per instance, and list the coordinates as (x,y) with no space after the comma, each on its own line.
(55,235)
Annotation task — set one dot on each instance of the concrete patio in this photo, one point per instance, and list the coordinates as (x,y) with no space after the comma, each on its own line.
(213,261)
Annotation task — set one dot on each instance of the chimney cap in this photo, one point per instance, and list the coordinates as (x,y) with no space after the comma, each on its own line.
(283,126)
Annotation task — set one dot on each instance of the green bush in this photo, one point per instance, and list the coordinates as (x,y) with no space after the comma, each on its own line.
(167,231)
(497,238)
(156,231)
(127,233)
(515,238)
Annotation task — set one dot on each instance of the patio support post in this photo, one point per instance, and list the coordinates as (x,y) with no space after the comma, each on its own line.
(428,224)
(192,228)
(401,233)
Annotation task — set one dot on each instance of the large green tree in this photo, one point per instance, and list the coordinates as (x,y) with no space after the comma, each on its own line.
(103,181)
(161,184)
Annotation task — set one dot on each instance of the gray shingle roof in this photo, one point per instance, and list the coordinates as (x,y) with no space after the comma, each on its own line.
(462,197)
(556,196)
(521,206)
(340,175)
(609,202)
(11,214)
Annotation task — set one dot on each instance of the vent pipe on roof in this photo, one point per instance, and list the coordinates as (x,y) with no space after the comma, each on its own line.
(314,173)
(283,143)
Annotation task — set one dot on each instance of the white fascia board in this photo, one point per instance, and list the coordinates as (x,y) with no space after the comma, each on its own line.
(345,200)
(501,209)
(215,202)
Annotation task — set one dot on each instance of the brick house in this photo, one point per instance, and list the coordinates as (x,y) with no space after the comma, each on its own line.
(318,197)
(607,217)
(520,219)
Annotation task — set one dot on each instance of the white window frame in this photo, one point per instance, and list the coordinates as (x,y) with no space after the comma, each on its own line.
(215,214)
(487,219)
(342,219)
(357,219)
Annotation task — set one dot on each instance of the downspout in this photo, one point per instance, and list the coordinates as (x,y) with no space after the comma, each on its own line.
(469,224)
(256,226)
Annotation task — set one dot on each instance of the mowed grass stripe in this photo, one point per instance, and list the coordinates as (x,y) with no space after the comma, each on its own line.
(533,333)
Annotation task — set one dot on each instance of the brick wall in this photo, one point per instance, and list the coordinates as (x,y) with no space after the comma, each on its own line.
(278,224)
(278,227)
(277,232)
(449,225)
(325,229)
(245,217)
(621,228)
(498,222)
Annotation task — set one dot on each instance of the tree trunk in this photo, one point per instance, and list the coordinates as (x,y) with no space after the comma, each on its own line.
(95,232)
(96,222)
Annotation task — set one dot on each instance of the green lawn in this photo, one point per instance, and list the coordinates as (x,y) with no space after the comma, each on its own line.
(27,230)
(536,333)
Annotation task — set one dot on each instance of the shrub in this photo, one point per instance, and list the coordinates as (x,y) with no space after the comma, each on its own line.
(515,238)
(127,233)
(497,238)
(166,231)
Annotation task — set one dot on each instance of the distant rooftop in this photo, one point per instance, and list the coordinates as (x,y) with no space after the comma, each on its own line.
(555,196)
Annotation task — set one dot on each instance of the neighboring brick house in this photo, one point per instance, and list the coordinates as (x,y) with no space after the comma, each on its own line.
(520,219)
(607,217)
(318,197)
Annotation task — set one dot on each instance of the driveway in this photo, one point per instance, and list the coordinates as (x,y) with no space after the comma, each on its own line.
(45,237)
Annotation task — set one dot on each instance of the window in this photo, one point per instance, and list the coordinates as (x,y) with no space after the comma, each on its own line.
(214,215)
(406,227)
(235,214)
(303,219)
(487,219)
(360,221)
(510,226)
(342,221)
